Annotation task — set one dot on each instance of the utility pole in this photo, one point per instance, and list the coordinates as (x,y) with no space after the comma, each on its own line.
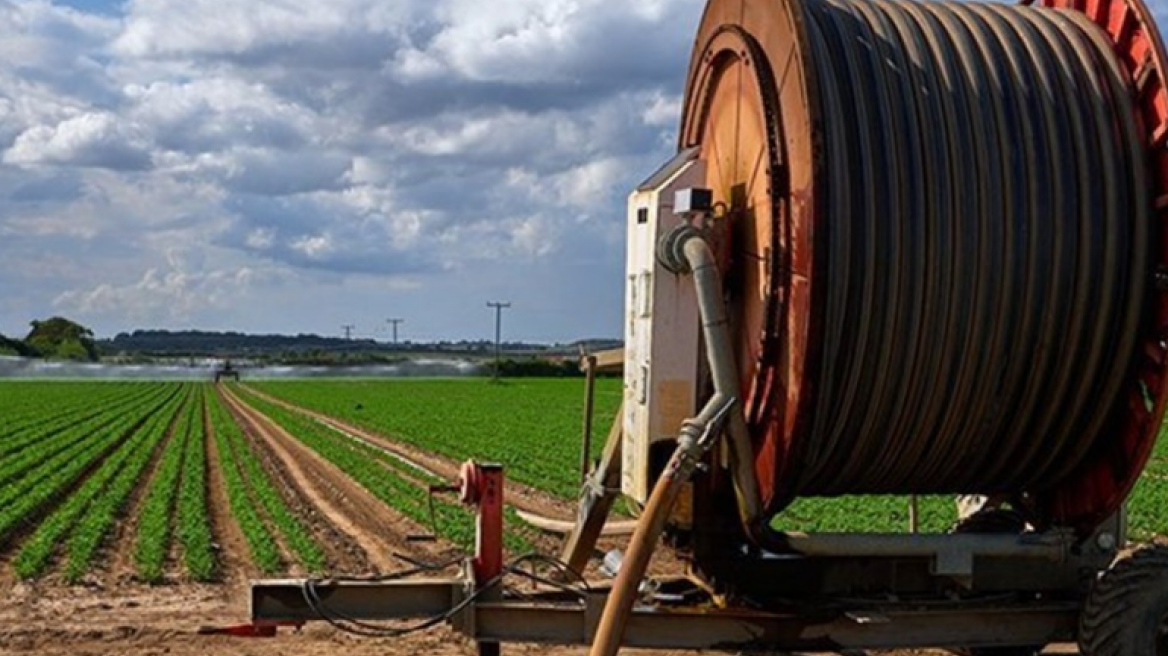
(499,307)
(348,328)
(395,322)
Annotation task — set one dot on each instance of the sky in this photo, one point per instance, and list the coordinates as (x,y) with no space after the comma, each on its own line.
(294,166)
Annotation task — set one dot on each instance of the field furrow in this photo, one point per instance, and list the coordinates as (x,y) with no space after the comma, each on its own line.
(82,514)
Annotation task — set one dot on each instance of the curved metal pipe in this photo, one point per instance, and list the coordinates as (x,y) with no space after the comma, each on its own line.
(684,250)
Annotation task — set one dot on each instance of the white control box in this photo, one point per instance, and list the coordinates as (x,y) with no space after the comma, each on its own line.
(662,326)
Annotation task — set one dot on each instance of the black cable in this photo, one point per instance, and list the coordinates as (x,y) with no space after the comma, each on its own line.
(355,626)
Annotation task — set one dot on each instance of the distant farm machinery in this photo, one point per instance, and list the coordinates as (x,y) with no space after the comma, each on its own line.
(226,371)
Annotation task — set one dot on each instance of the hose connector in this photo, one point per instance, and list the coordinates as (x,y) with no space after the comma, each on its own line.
(671,248)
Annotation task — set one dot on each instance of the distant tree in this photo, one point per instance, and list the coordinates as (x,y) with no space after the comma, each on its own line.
(60,338)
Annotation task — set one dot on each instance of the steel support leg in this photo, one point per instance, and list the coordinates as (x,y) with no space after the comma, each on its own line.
(599,493)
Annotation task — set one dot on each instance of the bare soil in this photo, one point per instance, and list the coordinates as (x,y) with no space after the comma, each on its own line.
(518,495)
(114,614)
(377,529)
(139,620)
(342,552)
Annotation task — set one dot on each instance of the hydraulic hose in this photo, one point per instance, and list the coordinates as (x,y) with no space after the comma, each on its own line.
(684,250)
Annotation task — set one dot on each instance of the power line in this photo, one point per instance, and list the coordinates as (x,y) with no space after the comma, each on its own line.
(499,307)
(395,322)
(348,328)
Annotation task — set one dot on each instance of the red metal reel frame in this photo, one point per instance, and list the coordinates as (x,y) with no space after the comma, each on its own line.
(779,341)
(1099,489)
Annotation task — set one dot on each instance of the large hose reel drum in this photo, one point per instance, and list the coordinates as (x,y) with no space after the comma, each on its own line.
(947,256)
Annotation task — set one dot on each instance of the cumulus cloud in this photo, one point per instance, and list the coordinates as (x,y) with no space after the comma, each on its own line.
(404,142)
(160,296)
(96,140)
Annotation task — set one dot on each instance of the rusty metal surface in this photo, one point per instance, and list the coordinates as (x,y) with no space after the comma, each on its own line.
(939,243)
(545,620)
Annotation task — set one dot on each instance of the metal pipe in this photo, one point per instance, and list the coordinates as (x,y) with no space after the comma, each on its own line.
(724,371)
(589,401)
(695,438)
(684,250)
(1043,547)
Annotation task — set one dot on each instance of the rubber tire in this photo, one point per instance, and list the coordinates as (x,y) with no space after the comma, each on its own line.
(994,520)
(1126,611)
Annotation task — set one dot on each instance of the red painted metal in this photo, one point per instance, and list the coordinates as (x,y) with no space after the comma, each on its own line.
(250,630)
(1100,487)
(752,105)
(482,487)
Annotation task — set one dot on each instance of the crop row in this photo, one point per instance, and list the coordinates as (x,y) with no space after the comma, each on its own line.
(237,454)
(532,426)
(371,468)
(265,553)
(24,497)
(49,419)
(192,525)
(154,518)
(20,463)
(26,402)
(29,414)
(88,513)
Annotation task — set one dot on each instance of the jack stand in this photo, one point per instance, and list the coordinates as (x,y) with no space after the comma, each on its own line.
(481,487)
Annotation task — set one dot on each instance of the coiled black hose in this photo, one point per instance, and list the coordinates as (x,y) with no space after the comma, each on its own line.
(988,246)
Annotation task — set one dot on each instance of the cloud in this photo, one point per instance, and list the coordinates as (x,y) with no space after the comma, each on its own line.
(96,140)
(408,145)
(161,296)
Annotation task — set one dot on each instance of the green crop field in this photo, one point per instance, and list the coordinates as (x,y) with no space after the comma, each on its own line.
(166,482)
(532,426)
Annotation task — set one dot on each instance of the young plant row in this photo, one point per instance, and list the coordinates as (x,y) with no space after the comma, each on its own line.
(192,525)
(44,484)
(25,451)
(85,517)
(158,506)
(26,402)
(265,553)
(366,465)
(32,416)
(268,499)
(470,418)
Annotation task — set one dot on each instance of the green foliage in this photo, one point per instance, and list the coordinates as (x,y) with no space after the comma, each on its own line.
(538,368)
(154,519)
(264,551)
(1148,505)
(9,346)
(62,339)
(99,518)
(46,482)
(192,525)
(374,470)
(532,426)
(97,497)
(870,514)
(262,490)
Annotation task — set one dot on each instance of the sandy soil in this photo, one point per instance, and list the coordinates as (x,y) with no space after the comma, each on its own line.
(138,620)
(113,614)
(518,495)
(377,529)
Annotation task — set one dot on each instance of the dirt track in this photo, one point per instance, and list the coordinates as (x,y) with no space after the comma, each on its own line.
(518,495)
(377,529)
(115,615)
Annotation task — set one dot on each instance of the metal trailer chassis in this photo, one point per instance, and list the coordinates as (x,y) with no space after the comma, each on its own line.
(829,593)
